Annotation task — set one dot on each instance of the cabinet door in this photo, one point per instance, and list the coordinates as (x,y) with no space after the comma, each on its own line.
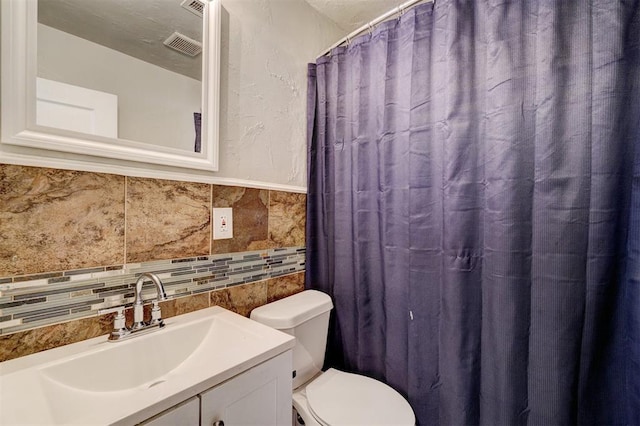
(184,414)
(260,396)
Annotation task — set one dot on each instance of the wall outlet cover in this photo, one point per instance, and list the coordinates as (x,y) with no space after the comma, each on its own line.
(222,223)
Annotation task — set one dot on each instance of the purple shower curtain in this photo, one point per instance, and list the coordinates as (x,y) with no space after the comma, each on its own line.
(470,182)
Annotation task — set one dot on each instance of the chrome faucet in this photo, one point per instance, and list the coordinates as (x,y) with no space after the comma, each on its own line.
(120,330)
(138,314)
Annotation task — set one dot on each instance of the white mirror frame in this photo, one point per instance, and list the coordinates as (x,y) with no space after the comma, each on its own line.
(18,95)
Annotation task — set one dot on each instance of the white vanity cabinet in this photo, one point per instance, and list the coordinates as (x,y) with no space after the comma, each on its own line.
(260,396)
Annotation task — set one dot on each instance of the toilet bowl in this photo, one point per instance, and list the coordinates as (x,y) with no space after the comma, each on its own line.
(332,397)
(339,398)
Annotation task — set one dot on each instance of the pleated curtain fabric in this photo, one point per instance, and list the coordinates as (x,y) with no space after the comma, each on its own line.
(627,343)
(473,211)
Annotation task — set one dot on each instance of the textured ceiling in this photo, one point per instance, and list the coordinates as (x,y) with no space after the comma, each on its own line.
(350,15)
(134,27)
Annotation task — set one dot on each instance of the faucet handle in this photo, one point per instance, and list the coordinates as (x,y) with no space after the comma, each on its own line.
(119,320)
(119,327)
(138,317)
(156,315)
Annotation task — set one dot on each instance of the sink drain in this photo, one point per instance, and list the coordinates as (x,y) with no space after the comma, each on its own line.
(155,383)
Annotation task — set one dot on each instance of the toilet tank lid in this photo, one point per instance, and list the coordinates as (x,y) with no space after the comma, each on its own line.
(293,310)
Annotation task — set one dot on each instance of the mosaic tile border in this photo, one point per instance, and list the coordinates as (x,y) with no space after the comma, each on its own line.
(33,301)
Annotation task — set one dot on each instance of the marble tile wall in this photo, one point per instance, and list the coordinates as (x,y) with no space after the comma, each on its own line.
(31,301)
(53,221)
(251,214)
(166,219)
(240,299)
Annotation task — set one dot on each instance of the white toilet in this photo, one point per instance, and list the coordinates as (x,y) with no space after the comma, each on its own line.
(330,398)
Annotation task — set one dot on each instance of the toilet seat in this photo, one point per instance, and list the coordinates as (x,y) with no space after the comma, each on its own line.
(338,398)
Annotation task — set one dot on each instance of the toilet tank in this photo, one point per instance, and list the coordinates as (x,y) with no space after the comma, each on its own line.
(305,316)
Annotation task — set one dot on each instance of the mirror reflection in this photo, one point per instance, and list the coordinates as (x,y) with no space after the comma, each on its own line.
(128,70)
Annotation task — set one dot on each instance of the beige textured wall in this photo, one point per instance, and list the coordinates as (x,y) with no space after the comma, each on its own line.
(266,45)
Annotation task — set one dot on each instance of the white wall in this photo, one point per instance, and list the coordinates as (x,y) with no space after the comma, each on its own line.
(154,105)
(266,46)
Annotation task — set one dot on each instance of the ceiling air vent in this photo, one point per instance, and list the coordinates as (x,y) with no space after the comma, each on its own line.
(184,44)
(194,6)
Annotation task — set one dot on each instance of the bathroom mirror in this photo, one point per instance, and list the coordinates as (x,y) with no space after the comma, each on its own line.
(133,81)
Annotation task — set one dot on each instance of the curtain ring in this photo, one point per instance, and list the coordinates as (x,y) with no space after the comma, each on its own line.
(370,27)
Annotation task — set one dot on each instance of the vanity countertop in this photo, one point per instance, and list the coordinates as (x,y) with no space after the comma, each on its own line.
(102,382)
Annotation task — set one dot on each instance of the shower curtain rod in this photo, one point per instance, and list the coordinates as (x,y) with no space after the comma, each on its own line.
(369,26)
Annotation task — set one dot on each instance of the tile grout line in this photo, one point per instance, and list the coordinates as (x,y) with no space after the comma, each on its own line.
(210,234)
(124,242)
(210,220)
(269,215)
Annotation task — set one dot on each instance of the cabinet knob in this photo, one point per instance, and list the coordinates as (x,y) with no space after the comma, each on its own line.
(218,423)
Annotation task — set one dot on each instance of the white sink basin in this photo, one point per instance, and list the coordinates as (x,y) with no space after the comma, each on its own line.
(101,382)
(140,363)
